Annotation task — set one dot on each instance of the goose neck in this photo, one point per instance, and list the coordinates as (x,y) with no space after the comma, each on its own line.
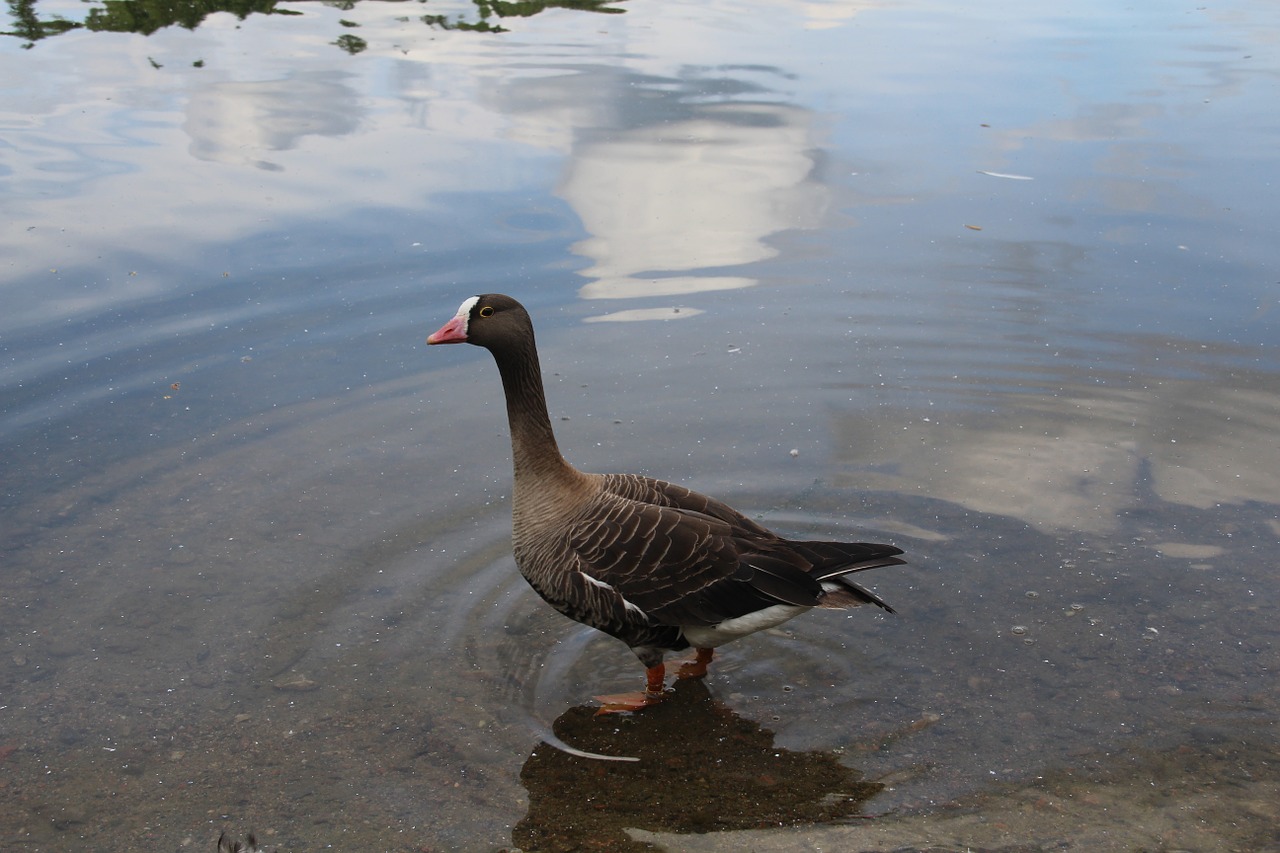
(534,451)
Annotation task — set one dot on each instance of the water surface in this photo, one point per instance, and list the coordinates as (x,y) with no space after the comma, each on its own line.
(996,284)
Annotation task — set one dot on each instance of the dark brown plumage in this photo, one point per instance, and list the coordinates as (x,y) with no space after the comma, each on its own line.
(656,565)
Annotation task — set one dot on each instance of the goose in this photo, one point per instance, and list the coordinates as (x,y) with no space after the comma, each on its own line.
(656,565)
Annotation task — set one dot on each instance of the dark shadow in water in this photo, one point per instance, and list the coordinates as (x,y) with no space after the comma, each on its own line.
(702,768)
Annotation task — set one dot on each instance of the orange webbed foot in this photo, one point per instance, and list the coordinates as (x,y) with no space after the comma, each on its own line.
(617,703)
(621,703)
(696,668)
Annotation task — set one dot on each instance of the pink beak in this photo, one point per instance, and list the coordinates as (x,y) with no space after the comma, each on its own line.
(452,332)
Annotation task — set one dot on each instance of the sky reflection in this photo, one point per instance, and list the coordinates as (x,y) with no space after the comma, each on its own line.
(1079,458)
(132,172)
(691,194)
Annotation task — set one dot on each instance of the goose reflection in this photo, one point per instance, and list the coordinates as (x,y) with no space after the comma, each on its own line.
(702,768)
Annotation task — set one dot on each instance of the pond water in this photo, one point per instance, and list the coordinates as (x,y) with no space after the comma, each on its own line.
(997,283)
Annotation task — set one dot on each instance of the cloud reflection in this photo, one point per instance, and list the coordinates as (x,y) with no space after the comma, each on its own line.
(1080,458)
(672,198)
(235,122)
(634,315)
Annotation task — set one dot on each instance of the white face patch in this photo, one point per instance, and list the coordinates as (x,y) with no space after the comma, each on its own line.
(464,311)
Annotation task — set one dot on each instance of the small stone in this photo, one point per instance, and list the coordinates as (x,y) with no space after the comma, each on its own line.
(296,683)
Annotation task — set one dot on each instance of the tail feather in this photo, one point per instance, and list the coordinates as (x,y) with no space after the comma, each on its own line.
(840,589)
(879,562)
(808,573)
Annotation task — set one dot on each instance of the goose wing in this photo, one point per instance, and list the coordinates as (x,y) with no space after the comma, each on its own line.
(683,567)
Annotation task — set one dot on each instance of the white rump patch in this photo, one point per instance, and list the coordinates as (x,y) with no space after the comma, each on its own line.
(731,629)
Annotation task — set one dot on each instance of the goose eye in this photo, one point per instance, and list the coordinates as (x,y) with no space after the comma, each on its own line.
(486,311)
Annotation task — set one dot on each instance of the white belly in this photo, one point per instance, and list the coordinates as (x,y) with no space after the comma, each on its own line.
(705,637)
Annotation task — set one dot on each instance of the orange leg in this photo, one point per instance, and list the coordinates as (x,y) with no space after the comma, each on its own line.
(696,668)
(654,679)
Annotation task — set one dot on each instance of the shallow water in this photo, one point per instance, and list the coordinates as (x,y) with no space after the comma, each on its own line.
(995,284)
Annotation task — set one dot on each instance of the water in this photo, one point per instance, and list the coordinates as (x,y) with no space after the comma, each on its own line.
(995,284)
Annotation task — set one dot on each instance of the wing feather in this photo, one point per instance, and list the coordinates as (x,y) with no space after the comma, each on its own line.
(684,559)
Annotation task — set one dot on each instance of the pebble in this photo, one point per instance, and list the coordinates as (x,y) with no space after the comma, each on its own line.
(297,683)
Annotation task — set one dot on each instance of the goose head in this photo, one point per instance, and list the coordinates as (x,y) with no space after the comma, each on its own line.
(490,321)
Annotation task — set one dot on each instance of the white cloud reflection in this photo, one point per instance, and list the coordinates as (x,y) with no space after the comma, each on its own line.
(673,198)
(1078,460)
(202,135)
(681,161)
(635,315)
(236,122)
